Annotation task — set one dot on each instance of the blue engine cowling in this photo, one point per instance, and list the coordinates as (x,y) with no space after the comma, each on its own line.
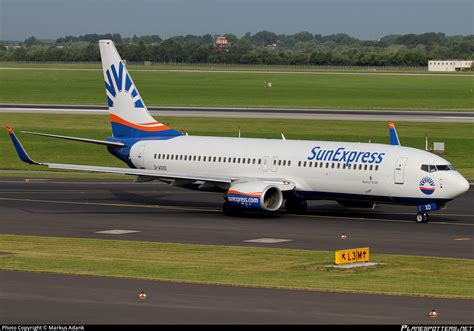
(255,196)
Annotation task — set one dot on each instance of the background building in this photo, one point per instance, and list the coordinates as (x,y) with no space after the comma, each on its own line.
(449,65)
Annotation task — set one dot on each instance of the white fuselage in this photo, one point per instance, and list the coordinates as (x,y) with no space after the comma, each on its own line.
(319,169)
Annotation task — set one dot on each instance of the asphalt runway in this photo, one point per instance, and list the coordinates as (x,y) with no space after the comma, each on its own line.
(40,298)
(80,208)
(286,113)
(159,212)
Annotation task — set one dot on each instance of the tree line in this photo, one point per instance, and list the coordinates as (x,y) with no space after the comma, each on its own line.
(264,47)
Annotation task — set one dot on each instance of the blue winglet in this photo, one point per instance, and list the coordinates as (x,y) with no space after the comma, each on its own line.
(393,134)
(19,148)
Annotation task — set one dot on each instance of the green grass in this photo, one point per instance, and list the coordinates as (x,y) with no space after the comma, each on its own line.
(239,266)
(458,138)
(245,89)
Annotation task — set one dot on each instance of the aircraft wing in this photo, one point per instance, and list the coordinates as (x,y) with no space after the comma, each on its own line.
(282,183)
(125,171)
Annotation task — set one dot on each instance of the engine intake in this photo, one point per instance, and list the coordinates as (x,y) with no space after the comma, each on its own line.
(255,196)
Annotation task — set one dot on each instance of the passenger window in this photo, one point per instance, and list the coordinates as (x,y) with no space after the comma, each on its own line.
(253,161)
(279,162)
(238,160)
(299,163)
(248,161)
(327,165)
(284,162)
(376,168)
(360,166)
(243,160)
(371,167)
(199,158)
(220,159)
(289,163)
(259,161)
(338,166)
(304,164)
(332,165)
(320,164)
(194,158)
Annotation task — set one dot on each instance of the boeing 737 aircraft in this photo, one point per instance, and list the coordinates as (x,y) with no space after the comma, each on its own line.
(259,174)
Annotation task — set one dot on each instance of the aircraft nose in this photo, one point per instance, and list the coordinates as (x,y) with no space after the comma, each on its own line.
(462,185)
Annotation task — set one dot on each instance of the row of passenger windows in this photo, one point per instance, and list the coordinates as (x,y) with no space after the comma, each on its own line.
(220,159)
(244,160)
(337,165)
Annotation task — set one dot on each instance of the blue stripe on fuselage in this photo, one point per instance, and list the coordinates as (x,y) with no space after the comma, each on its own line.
(368,198)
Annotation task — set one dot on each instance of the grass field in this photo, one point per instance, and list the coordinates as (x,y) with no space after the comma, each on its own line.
(458,138)
(240,266)
(423,92)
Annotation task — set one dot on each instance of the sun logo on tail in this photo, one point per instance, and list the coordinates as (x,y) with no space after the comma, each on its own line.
(118,86)
(427,185)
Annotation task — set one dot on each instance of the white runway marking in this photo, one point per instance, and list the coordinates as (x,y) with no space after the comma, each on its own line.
(267,240)
(117,231)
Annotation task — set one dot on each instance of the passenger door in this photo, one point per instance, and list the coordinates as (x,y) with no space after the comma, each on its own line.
(274,165)
(399,176)
(141,156)
(265,162)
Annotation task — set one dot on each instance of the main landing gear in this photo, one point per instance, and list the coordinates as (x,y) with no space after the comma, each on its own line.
(296,206)
(422,218)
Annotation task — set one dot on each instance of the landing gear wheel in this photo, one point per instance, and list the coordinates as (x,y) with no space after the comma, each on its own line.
(422,218)
(296,206)
(231,210)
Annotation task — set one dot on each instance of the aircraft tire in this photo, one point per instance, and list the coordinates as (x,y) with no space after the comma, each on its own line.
(296,206)
(422,218)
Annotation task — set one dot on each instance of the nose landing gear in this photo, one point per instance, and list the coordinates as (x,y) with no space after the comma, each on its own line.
(422,218)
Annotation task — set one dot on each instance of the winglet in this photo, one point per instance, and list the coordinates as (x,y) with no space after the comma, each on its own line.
(393,134)
(19,148)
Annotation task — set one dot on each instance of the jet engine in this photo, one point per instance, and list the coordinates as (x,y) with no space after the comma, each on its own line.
(255,195)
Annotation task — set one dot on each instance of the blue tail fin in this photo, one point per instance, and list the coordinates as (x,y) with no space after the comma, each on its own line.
(128,114)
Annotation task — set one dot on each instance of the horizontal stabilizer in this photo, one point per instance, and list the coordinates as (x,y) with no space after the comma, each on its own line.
(85,140)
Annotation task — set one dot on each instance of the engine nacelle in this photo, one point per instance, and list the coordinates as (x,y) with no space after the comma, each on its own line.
(255,196)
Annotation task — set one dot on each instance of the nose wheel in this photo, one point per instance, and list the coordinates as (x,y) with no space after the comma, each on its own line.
(422,218)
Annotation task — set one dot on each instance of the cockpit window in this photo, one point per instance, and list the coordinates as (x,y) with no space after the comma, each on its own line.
(433,168)
(444,167)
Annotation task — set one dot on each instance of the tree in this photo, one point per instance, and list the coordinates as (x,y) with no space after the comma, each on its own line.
(30,41)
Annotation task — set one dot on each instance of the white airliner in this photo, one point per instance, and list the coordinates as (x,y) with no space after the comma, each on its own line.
(259,174)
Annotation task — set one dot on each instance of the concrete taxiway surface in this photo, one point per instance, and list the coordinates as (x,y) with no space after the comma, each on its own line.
(32,298)
(158,212)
